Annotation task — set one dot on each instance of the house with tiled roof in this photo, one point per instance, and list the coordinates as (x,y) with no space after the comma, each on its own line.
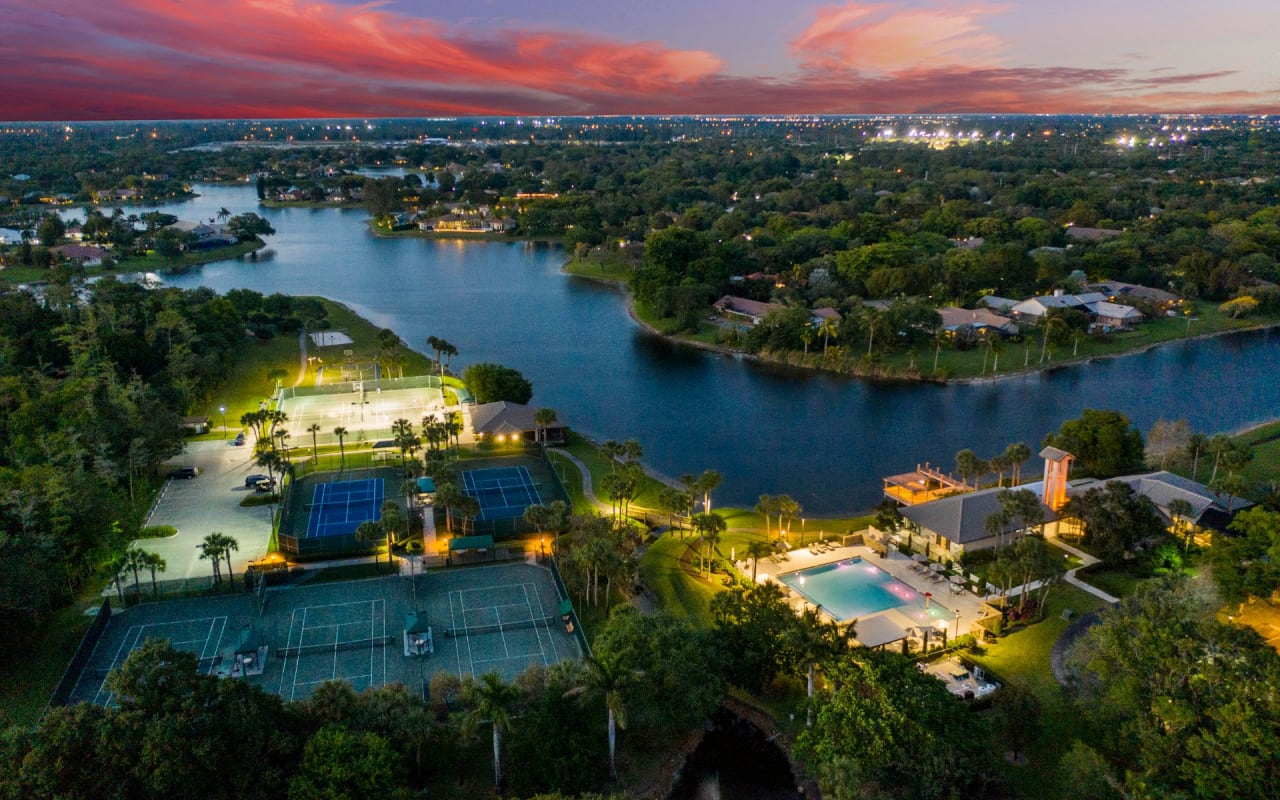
(743,310)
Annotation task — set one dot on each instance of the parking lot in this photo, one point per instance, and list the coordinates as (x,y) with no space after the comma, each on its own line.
(207,503)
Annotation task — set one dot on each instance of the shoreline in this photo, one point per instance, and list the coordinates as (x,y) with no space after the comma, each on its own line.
(978,379)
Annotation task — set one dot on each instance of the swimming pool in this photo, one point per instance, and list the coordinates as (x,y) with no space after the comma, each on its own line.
(852,588)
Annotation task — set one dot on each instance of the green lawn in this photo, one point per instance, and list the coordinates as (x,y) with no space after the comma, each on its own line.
(1022,657)
(678,591)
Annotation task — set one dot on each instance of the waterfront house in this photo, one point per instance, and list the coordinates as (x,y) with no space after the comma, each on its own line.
(1115,315)
(979,319)
(1117,291)
(741,309)
(511,422)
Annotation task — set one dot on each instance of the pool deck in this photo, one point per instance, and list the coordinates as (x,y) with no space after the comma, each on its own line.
(910,618)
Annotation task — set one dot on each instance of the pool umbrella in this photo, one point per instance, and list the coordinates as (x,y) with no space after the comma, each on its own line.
(918,558)
(958,580)
(936,567)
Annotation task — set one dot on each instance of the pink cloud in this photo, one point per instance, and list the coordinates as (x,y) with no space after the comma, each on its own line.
(161,59)
(877,38)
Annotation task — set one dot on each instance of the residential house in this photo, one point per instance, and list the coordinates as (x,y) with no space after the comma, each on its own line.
(1119,290)
(821,315)
(85,255)
(1078,233)
(1115,315)
(743,310)
(979,319)
(1001,304)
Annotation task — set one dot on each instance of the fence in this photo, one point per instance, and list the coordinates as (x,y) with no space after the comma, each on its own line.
(563,591)
(347,387)
(62,692)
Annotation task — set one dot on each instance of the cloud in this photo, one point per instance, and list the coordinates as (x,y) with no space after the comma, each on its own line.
(878,38)
(165,59)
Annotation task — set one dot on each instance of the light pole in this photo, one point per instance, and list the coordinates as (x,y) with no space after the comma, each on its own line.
(957,633)
(223,411)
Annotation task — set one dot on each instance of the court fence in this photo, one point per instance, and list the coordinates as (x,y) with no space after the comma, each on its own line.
(563,592)
(349,387)
(62,692)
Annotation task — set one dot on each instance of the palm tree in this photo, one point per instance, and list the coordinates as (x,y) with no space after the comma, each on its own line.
(402,432)
(1049,324)
(341,432)
(135,561)
(313,429)
(226,545)
(610,680)
(156,563)
(828,328)
(448,495)
(806,336)
(1197,445)
(756,550)
(211,549)
(939,339)
(707,482)
(995,344)
(967,465)
(224,214)
(709,527)
(788,508)
(543,418)
(370,532)
(494,702)
(766,506)
(818,640)
(1077,336)
(1014,455)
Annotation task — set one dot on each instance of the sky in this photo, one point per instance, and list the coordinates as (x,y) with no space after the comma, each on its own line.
(173,59)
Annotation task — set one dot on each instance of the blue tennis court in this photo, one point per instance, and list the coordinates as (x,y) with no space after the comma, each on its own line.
(503,492)
(338,508)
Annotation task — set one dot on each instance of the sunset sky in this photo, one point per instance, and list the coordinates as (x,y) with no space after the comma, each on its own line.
(166,59)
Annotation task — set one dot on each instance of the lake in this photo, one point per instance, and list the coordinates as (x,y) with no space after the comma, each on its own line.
(824,439)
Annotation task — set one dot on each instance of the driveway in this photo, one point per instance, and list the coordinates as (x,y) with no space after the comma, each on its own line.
(211,502)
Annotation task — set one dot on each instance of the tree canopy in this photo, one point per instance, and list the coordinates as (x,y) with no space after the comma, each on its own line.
(493,382)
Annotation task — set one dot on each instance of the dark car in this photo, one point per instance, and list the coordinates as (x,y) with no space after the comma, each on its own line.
(239,440)
(252,481)
(183,473)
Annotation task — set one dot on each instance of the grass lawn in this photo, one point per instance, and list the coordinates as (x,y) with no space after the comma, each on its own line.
(600,264)
(678,592)
(31,673)
(1022,657)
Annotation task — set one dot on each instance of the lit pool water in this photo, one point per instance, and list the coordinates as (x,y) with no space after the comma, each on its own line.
(852,588)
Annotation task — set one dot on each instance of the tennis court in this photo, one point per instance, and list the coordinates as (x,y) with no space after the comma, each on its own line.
(201,636)
(339,507)
(365,408)
(503,492)
(500,619)
(336,641)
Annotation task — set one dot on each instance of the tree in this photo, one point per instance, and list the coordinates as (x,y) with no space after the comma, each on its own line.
(339,762)
(313,429)
(1018,716)
(1115,518)
(1105,443)
(1166,439)
(1180,511)
(341,433)
(752,626)
(493,703)
(371,533)
(543,418)
(135,561)
(1015,455)
(707,482)
(610,680)
(491,383)
(156,563)
(1247,563)
(756,550)
(211,550)
(817,641)
(967,465)
(765,506)
(709,527)
(51,230)
(393,520)
(225,546)
(828,328)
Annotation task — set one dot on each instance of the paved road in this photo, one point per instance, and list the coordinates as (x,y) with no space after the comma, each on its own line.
(208,503)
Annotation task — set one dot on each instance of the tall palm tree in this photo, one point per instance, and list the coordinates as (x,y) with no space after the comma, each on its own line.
(828,328)
(818,640)
(135,561)
(610,680)
(313,429)
(756,550)
(709,527)
(156,563)
(707,482)
(494,701)
(995,344)
(1049,324)
(226,545)
(939,339)
(765,507)
(544,418)
(788,509)
(224,214)
(341,433)
(211,550)
(1014,455)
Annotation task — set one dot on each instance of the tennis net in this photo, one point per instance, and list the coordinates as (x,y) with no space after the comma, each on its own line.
(331,647)
(477,630)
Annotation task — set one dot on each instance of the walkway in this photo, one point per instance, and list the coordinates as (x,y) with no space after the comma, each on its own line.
(1086,560)
(588,489)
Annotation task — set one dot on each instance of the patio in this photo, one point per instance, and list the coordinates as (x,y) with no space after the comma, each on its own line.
(959,679)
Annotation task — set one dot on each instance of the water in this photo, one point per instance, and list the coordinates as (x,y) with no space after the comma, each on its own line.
(826,440)
(850,589)
(736,762)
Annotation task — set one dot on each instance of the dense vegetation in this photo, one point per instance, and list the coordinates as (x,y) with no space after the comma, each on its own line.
(96,382)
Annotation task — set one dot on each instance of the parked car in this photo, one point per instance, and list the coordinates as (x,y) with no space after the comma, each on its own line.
(252,481)
(239,440)
(184,473)
(265,485)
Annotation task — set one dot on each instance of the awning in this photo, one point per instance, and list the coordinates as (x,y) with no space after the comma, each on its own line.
(426,485)
(459,543)
(877,631)
(416,622)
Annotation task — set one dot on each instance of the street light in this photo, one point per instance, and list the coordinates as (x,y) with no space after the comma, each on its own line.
(957,633)
(542,546)
(223,411)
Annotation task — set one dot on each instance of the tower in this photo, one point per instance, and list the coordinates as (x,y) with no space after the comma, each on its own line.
(1057,463)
